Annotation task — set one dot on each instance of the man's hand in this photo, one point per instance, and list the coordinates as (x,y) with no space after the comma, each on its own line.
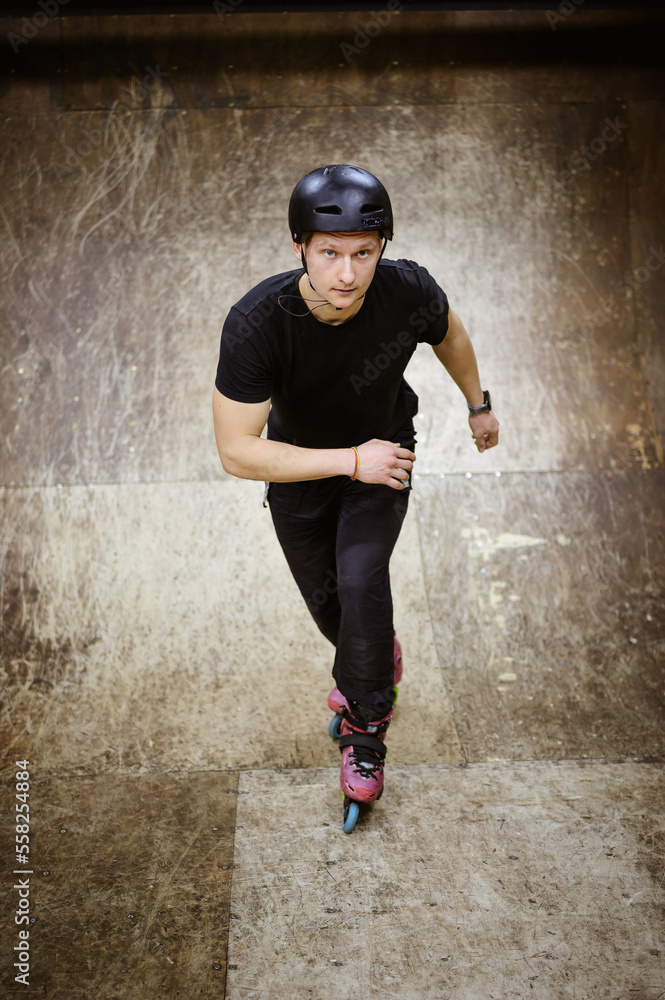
(484,430)
(384,462)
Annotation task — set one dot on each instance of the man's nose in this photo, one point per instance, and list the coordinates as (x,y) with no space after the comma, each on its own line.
(347,273)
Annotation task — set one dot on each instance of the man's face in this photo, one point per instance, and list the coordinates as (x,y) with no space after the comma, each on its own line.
(341,267)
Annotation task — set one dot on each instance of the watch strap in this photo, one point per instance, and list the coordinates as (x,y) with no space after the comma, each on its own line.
(484,408)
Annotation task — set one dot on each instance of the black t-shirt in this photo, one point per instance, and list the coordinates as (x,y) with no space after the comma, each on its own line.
(332,386)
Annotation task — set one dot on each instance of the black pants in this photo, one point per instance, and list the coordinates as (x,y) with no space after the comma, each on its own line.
(338,536)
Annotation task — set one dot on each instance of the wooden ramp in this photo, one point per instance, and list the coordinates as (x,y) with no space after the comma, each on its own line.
(160,672)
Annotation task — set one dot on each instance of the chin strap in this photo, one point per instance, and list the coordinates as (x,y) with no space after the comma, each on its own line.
(338,308)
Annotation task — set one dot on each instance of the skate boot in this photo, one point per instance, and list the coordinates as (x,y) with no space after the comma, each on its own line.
(363,753)
(337,702)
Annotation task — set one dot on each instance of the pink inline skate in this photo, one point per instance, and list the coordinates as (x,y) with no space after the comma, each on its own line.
(361,742)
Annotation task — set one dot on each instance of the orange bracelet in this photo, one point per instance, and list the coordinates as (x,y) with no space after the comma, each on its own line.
(355,471)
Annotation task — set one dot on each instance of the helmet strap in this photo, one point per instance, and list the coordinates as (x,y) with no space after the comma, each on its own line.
(338,308)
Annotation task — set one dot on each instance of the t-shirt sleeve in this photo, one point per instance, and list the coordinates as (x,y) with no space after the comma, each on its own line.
(243,371)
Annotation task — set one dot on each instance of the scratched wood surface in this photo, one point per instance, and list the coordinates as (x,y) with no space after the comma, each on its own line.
(111,366)
(504,881)
(648,252)
(153,642)
(130,886)
(142,621)
(548,611)
(119,363)
(556,225)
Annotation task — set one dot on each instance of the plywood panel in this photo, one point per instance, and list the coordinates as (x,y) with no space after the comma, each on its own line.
(645,280)
(165,219)
(129,887)
(158,627)
(120,272)
(495,881)
(546,595)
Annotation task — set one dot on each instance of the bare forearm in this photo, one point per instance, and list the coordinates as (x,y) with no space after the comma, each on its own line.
(277,462)
(247,455)
(457,355)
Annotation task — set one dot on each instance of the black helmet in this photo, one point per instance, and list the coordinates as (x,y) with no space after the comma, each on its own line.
(339,198)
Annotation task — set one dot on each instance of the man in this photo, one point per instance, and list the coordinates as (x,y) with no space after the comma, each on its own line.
(318,354)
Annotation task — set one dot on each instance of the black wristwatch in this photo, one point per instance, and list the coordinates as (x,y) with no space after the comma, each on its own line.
(485,408)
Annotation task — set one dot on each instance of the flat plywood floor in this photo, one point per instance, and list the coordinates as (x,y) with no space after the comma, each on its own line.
(160,672)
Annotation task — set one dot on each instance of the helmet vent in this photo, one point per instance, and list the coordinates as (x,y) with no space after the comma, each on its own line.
(374,209)
(329,210)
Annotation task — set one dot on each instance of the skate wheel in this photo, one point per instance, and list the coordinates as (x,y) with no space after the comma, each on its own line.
(350,814)
(335,727)
(395,694)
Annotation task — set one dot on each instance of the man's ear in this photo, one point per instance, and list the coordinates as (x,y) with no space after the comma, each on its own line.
(297,248)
